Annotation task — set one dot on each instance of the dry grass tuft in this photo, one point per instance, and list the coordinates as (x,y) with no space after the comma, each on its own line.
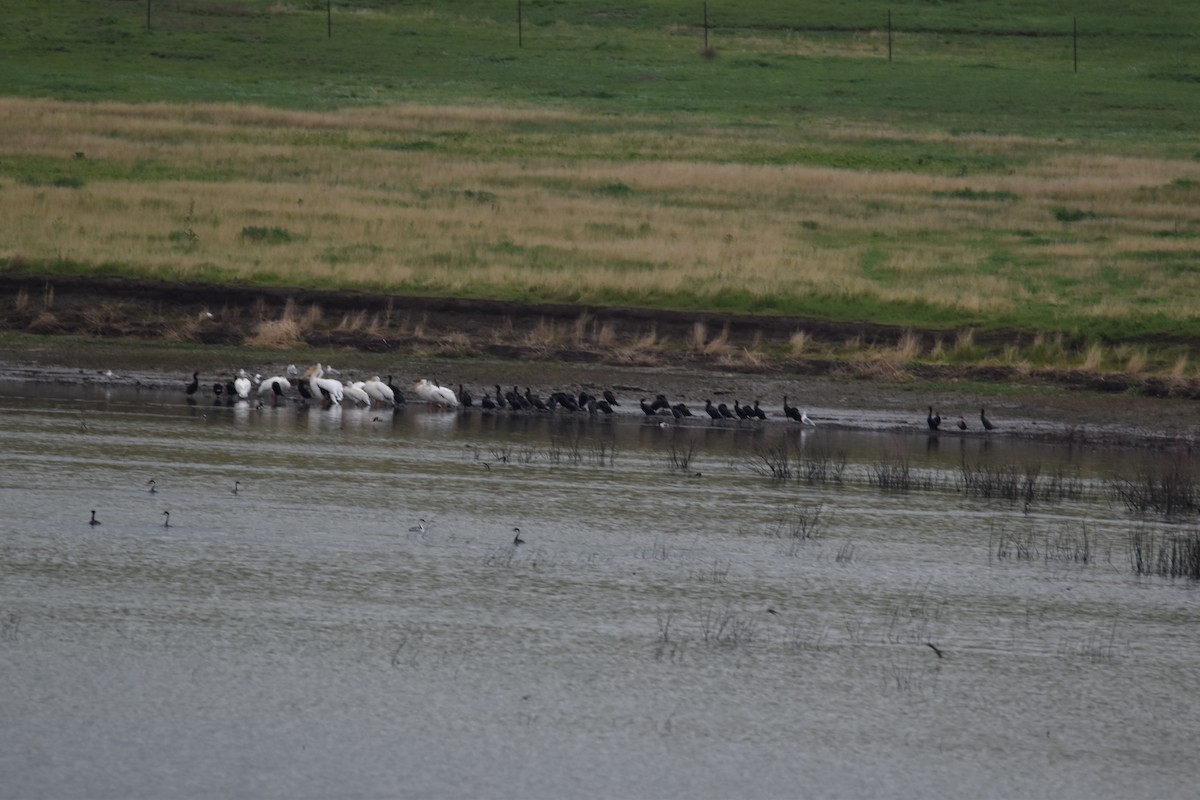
(45,323)
(455,343)
(606,337)
(582,324)
(1093,358)
(359,322)
(185,331)
(1179,370)
(277,334)
(720,345)
(544,334)
(312,318)
(648,341)
(964,342)
(798,342)
(908,349)
(1136,360)
(878,369)
(744,358)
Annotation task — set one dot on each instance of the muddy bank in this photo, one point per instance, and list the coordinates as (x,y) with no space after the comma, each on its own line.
(406,325)
(479,343)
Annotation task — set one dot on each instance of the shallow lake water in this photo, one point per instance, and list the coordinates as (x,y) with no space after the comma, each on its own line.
(677,623)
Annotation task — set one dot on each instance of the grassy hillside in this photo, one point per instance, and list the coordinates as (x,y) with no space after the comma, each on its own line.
(975,179)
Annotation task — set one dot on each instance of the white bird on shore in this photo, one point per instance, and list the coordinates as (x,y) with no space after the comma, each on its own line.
(241,384)
(357,393)
(378,390)
(320,386)
(435,395)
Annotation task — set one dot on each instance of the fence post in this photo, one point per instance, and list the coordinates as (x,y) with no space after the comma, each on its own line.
(147,14)
(706,26)
(889,36)
(520,32)
(328,19)
(1075,43)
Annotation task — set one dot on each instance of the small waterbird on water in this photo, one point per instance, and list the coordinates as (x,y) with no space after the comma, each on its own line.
(93,520)
(517,537)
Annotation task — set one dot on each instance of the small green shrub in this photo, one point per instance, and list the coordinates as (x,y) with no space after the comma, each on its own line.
(262,235)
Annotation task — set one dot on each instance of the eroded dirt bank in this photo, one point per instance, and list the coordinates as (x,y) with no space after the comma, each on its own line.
(481,343)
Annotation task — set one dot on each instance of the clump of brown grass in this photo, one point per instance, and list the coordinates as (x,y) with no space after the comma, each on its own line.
(1178,372)
(909,347)
(798,342)
(1136,359)
(606,337)
(312,317)
(184,331)
(648,340)
(277,334)
(455,343)
(582,323)
(743,358)
(45,323)
(719,345)
(1093,357)
(359,322)
(878,369)
(964,342)
(21,300)
(544,334)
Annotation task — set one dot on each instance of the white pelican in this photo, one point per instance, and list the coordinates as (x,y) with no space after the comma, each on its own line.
(435,395)
(319,385)
(241,384)
(356,393)
(424,390)
(378,390)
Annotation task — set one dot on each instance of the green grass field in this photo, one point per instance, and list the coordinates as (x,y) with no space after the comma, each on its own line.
(977,179)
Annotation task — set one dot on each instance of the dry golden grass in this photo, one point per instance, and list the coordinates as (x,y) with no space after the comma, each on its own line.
(276,334)
(908,349)
(606,337)
(797,343)
(479,219)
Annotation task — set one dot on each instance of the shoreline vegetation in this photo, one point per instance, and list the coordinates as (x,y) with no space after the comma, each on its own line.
(289,320)
(787,198)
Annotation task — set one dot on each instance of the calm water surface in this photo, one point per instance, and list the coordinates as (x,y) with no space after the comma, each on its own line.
(662,632)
